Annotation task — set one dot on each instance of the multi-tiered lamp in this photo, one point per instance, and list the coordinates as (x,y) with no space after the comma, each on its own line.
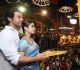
(41,2)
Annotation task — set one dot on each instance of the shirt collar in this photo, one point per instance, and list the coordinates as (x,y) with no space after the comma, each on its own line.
(11,28)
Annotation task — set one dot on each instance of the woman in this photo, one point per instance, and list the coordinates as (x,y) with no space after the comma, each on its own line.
(28,46)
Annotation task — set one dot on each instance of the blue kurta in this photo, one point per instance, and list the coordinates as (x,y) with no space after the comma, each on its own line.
(30,51)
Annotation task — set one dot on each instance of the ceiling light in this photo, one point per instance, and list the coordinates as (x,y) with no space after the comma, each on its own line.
(44,12)
(65,9)
(22,8)
(73,21)
(41,2)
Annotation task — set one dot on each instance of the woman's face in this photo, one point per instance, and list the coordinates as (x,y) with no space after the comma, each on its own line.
(31,29)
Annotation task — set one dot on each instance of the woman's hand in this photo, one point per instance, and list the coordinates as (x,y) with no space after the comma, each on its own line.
(42,56)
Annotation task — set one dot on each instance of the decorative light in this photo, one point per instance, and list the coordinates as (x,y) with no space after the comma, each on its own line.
(44,12)
(51,29)
(73,21)
(65,28)
(41,2)
(69,16)
(76,4)
(11,1)
(22,8)
(76,15)
(65,9)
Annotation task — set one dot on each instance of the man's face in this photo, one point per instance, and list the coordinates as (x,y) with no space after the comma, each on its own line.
(17,19)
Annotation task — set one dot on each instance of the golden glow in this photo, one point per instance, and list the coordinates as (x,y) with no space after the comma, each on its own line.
(44,12)
(22,8)
(79,11)
(76,4)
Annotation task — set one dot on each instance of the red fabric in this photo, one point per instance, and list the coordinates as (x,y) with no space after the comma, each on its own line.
(54,1)
(63,67)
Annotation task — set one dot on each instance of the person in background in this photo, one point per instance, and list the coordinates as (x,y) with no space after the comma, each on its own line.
(9,39)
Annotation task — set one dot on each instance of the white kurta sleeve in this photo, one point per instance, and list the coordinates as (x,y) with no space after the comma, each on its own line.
(9,47)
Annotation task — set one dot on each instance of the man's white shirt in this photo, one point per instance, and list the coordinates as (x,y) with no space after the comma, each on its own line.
(9,39)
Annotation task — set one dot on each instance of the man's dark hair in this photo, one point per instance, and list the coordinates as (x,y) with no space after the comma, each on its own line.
(9,14)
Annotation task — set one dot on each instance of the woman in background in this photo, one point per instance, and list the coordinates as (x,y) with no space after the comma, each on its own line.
(29,47)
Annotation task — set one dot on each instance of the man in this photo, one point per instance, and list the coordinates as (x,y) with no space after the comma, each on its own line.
(9,39)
